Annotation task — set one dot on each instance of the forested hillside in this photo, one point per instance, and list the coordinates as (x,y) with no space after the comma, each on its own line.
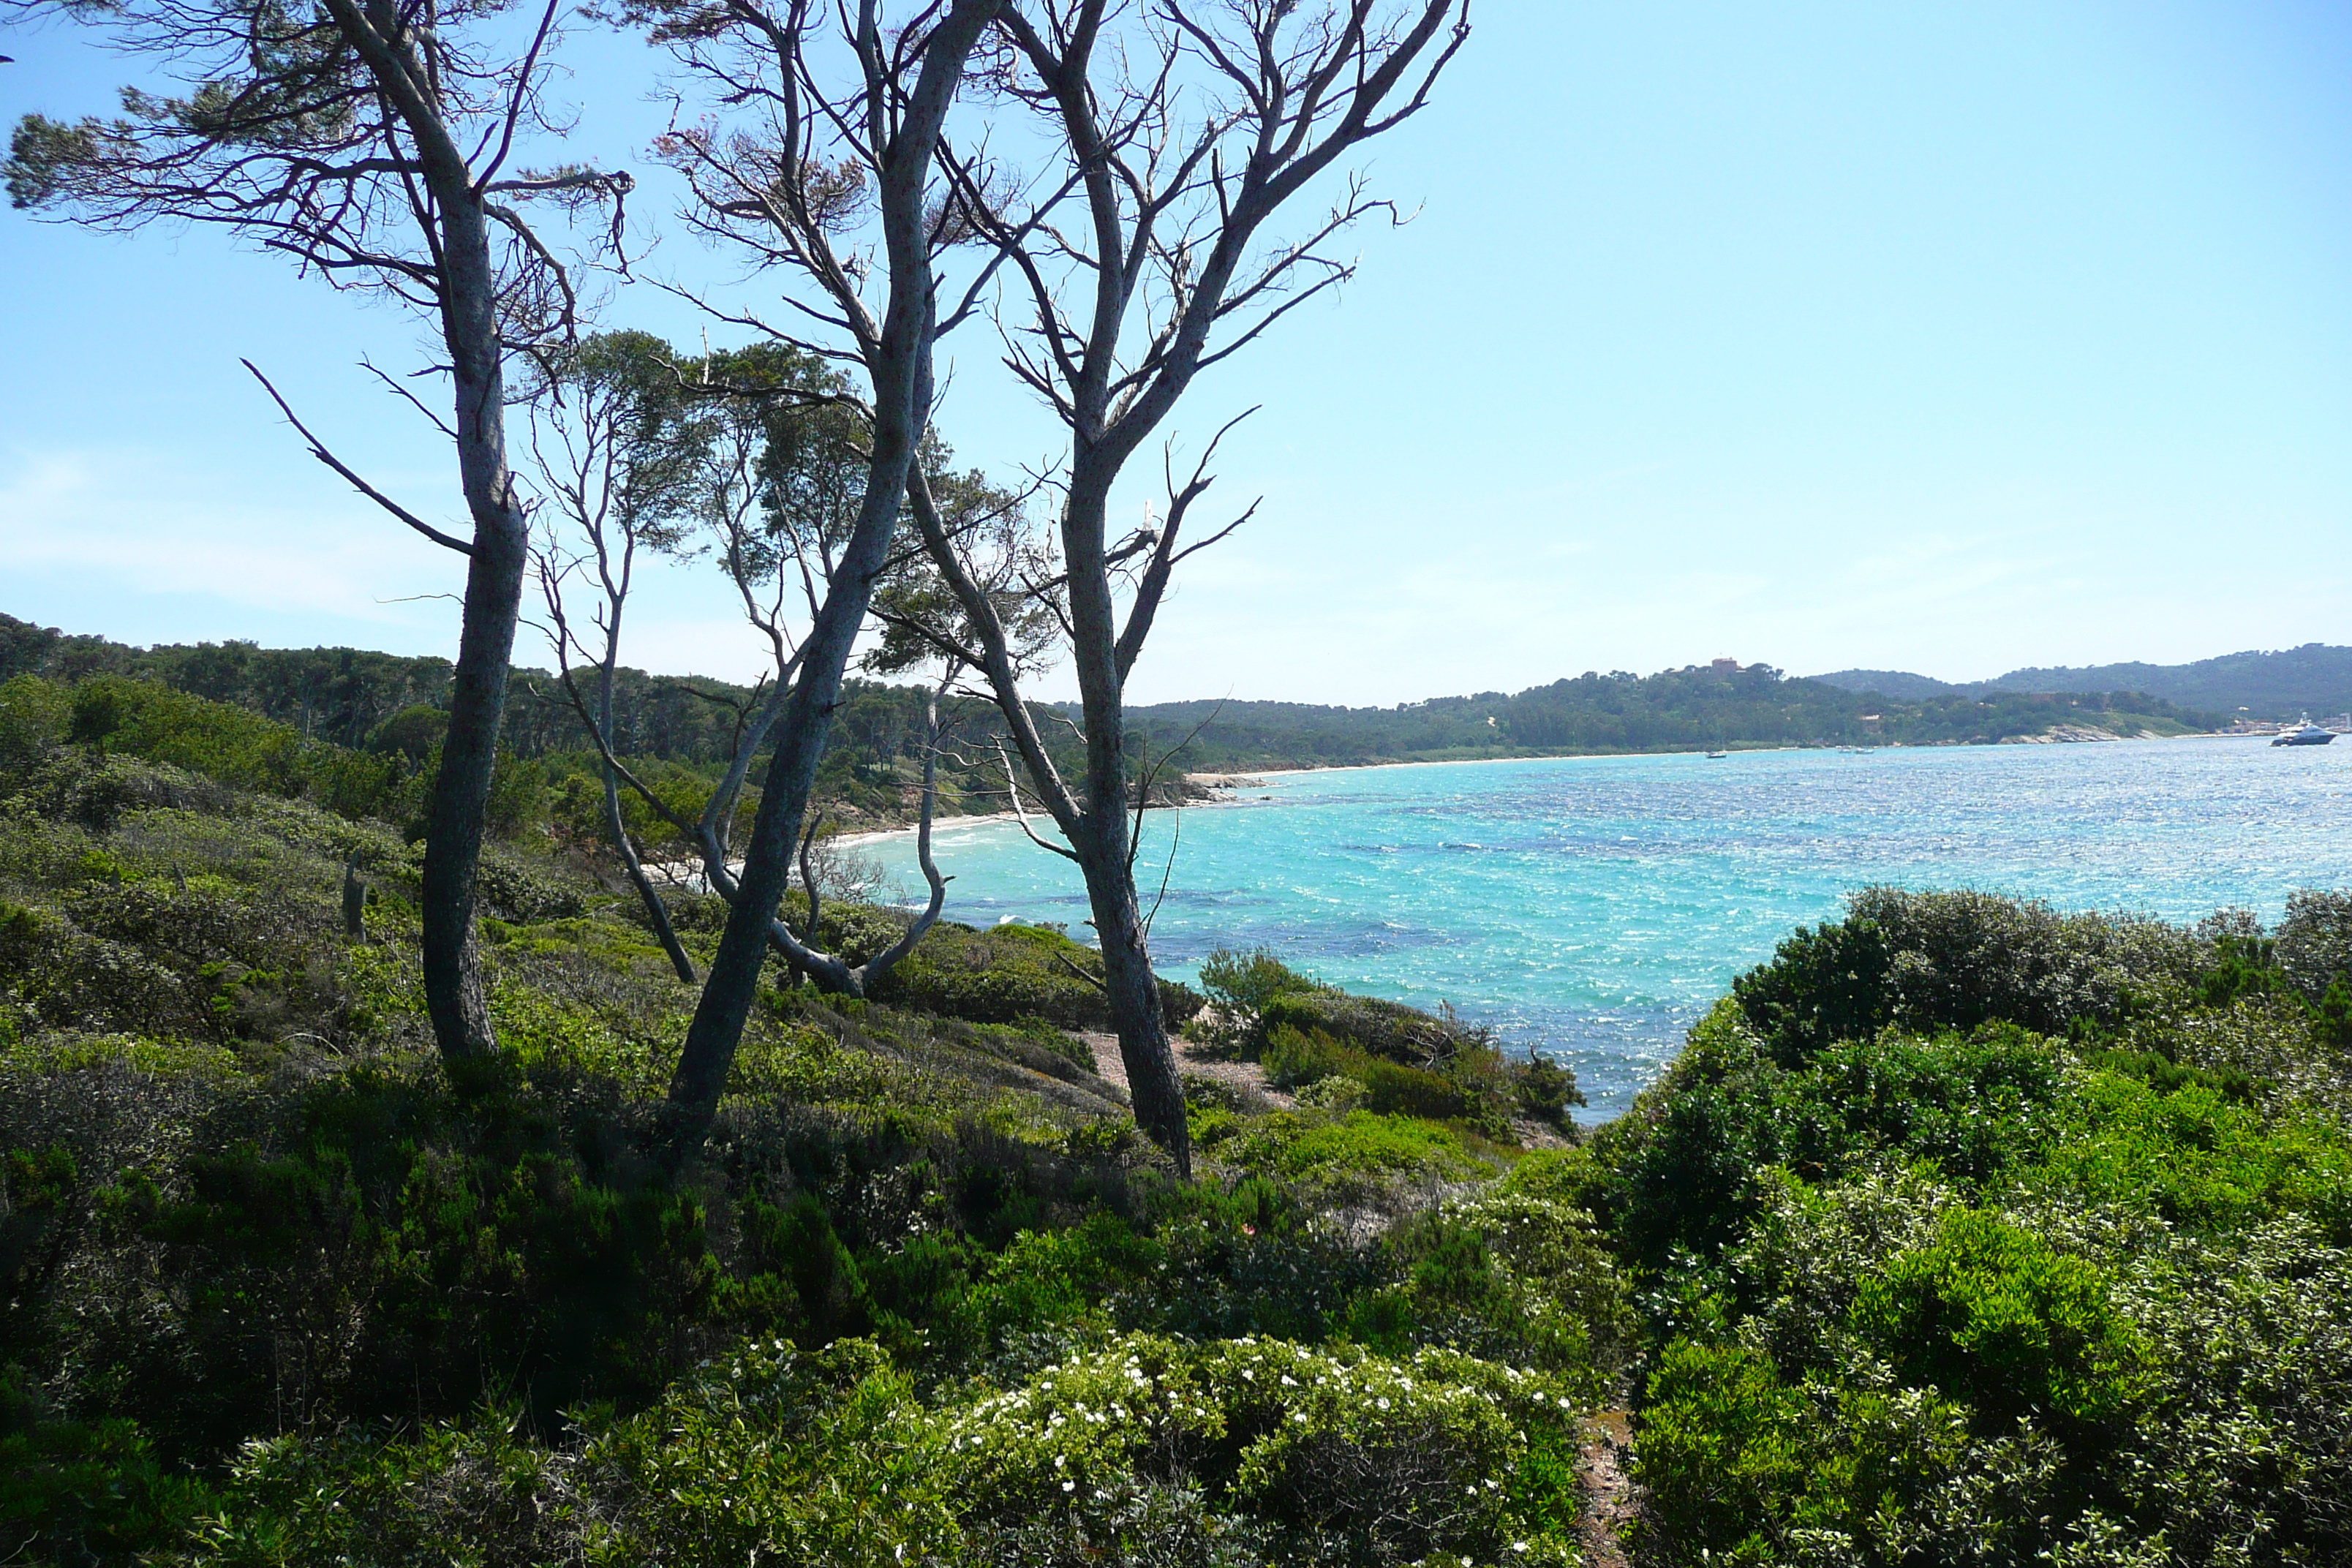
(679,730)
(1697,708)
(379,701)
(2315,678)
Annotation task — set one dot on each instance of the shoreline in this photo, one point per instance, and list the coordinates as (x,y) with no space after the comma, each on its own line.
(939,824)
(1219,782)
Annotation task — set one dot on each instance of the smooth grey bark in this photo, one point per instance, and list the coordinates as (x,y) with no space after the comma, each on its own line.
(1092,821)
(454,997)
(834,973)
(728,992)
(897,354)
(656,909)
(467,295)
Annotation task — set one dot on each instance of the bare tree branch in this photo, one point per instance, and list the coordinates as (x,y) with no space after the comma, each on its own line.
(318,451)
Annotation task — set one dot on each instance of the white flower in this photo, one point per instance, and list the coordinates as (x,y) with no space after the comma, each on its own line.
(1519,1546)
(1381,1402)
(1070,1485)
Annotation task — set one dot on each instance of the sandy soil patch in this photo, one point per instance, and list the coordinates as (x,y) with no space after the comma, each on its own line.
(1247,1080)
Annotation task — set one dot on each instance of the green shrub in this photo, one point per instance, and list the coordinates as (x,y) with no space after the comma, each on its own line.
(1360,1156)
(1545,1088)
(823,1456)
(1031,1042)
(1339,1455)
(1992,1315)
(508,887)
(2202,1157)
(1142,1451)
(1506,1277)
(1390,1030)
(148,720)
(1001,976)
(117,716)
(1981,1296)
(1955,960)
(2315,940)
(415,733)
(1294,1058)
(1724,1453)
(33,717)
(72,1493)
(1677,1171)
(1243,982)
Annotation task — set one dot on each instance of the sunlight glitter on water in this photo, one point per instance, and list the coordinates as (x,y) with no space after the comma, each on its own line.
(1594,907)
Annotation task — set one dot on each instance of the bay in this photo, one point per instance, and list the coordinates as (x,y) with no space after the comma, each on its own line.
(1594,907)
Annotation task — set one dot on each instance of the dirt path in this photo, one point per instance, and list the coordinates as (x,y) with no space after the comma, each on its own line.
(1607,1491)
(1246,1079)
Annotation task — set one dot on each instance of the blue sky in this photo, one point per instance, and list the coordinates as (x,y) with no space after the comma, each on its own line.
(1948,339)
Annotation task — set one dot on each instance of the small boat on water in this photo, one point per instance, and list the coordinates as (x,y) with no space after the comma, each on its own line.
(2306,733)
(1717,756)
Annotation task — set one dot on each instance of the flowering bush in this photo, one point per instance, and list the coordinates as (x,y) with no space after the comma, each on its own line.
(1337,1454)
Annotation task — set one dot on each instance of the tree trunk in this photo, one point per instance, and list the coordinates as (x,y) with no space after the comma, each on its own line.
(1103,846)
(897,353)
(1133,991)
(355,902)
(615,603)
(733,982)
(453,997)
(477,688)
(655,909)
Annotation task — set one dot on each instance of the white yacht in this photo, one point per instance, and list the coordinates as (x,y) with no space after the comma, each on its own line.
(2304,734)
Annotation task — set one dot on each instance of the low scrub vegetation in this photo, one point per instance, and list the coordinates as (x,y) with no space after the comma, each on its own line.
(276,1293)
(1963,1231)
(1967,1232)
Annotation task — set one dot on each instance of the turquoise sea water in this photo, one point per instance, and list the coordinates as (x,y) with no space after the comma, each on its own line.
(1594,907)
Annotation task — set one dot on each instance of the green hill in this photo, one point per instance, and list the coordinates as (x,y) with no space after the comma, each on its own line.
(381,702)
(2315,678)
(1692,708)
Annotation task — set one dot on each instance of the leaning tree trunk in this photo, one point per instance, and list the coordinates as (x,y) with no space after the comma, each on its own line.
(1104,850)
(897,353)
(732,982)
(656,909)
(1133,991)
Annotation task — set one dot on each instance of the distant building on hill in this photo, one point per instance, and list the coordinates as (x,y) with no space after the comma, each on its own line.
(1726,666)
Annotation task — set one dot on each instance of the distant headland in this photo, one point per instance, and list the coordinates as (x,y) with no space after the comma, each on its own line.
(364,699)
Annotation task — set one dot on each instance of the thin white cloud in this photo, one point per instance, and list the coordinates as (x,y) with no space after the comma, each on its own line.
(98,528)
